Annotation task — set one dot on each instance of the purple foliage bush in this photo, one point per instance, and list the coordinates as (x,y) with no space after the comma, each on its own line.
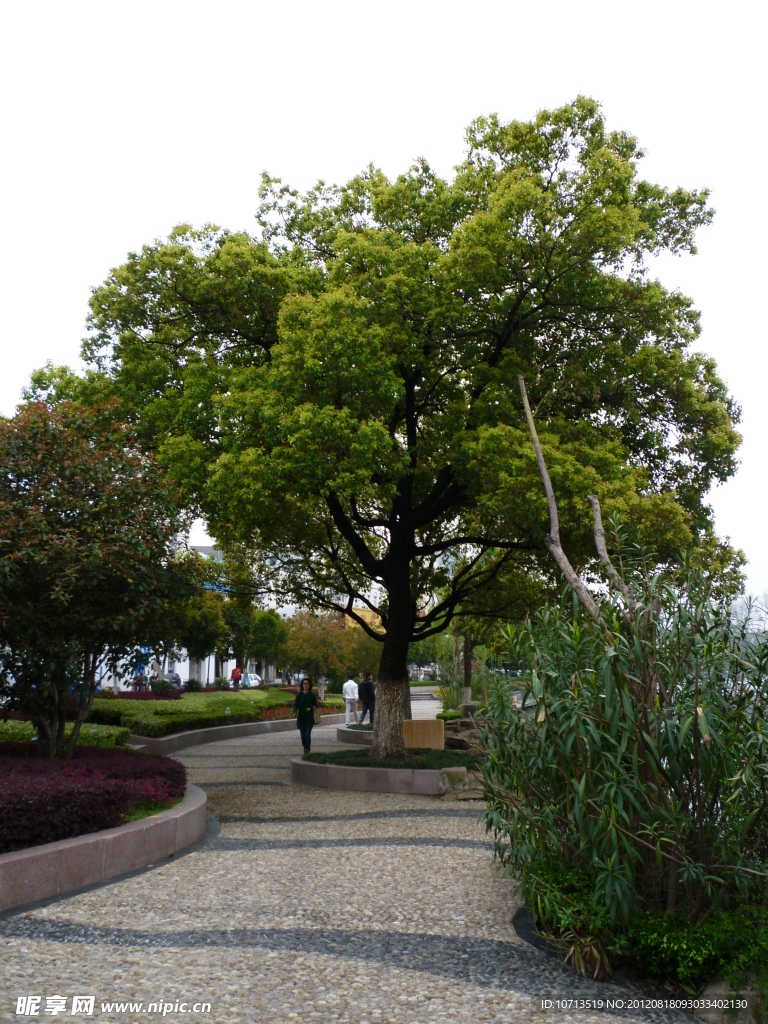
(42,800)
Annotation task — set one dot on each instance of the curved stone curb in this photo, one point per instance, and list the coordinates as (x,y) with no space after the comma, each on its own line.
(362,737)
(216,733)
(69,864)
(422,781)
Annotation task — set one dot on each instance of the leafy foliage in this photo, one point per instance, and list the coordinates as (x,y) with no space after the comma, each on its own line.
(89,525)
(342,388)
(637,759)
(728,943)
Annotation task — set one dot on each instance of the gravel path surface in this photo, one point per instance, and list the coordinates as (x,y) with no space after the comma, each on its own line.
(301,905)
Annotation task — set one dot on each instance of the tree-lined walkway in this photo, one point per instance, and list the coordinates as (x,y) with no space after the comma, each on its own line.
(306,905)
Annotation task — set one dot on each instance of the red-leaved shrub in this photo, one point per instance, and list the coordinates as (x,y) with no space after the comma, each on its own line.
(281,711)
(42,800)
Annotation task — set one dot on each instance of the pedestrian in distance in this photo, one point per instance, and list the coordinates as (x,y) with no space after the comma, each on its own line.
(305,709)
(368,697)
(349,691)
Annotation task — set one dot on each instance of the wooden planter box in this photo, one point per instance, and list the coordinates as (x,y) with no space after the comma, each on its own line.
(424,734)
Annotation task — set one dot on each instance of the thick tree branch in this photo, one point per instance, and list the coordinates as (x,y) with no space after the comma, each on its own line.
(372,565)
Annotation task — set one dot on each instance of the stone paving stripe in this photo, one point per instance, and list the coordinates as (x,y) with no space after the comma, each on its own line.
(469,960)
(333,844)
(440,812)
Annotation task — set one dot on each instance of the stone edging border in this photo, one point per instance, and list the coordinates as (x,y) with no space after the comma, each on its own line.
(216,733)
(362,737)
(423,781)
(69,864)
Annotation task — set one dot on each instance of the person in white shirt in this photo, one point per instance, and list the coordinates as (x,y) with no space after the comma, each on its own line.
(349,691)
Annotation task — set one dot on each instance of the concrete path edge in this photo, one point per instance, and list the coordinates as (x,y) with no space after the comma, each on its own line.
(216,733)
(70,864)
(424,782)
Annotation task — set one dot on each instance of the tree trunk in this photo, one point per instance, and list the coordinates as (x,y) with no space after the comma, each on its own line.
(467,695)
(393,695)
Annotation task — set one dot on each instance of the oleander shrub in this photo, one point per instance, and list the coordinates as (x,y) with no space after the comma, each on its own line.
(633,778)
(221,684)
(193,686)
(43,800)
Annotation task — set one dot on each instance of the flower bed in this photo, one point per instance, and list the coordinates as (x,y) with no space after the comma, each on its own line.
(286,711)
(42,801)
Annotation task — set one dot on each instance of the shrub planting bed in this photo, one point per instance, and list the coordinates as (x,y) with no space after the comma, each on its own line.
(90,735)
(174,693)
(433,760)
(200,710)
(43,801)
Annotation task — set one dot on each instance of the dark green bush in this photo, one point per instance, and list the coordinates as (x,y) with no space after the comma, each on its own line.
(728,943)
(334,686)
(220,684)
(163,688)
(193,686)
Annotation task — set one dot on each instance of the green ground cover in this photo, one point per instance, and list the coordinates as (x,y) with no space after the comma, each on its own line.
(139,811)
(91,735)
(193,711)
(431,759)
(365,727)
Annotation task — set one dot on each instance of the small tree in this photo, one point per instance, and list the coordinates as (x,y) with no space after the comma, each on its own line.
(89,525)
(202,628)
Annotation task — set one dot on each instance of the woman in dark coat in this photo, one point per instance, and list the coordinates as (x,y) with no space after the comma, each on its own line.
(304,708)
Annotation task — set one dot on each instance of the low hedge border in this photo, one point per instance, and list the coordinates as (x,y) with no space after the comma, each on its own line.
(178,741)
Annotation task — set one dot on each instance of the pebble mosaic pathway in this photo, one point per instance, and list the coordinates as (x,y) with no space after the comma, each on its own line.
(301,906)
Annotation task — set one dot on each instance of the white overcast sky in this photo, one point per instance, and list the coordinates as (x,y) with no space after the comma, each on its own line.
(120,119)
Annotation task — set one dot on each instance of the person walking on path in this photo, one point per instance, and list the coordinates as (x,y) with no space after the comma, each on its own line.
(368,697)
(304,707)
(349,690)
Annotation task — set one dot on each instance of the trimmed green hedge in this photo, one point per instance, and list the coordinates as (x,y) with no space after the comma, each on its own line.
(430,759)
(193,711)
(91,735)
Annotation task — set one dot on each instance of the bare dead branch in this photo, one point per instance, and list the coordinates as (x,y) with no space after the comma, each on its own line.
(625,589)
(554,546)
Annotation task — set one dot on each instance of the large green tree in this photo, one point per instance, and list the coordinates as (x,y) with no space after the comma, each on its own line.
(341,388)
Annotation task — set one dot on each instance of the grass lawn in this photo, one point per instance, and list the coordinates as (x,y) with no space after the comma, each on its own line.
(90,735)
(433,759)
(195,710)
